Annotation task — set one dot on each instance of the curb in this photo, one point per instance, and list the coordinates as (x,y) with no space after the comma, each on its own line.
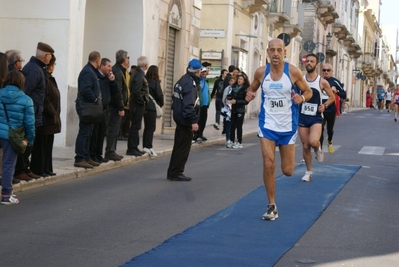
(70,173)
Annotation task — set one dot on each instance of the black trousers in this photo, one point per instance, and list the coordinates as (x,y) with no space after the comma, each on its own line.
(42,154)
(329,118)
(237,120)
(203,117)
(125,124)
(181,150)
(150,121)
(97,139)
(113,126)
(22,164)
(136,116)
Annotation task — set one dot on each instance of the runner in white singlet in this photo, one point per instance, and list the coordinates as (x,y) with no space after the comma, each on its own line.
(310,117)
(278,117)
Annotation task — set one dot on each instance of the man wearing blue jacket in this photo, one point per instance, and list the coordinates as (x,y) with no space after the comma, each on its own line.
(184,97)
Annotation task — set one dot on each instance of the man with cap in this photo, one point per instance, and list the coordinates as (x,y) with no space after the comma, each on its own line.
(35,87)
(184,96)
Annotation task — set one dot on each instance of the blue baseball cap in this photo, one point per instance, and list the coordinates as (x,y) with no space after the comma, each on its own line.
(194,64)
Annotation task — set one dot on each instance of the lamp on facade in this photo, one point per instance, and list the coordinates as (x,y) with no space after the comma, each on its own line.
(328,39)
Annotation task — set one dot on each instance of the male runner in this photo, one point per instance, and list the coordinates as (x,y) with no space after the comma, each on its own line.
(310,117)
(278,117)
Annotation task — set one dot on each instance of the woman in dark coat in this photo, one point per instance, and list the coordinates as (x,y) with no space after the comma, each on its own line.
(150,114)
(42,154)
(238,103)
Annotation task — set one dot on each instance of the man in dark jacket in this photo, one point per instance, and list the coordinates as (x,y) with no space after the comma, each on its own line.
(118,101)
(35,87)
(138,99)
(330,113)
(184,97)
(89,92)
(108,87)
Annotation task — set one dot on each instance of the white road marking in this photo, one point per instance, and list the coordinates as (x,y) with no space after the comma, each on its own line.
(372,150)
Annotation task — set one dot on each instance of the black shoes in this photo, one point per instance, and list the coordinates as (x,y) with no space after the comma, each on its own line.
(180,178)
(135,152)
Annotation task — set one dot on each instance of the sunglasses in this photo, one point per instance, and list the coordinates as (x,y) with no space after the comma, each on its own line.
(326,70)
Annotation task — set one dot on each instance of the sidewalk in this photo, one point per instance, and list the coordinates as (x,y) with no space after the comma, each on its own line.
(63,157)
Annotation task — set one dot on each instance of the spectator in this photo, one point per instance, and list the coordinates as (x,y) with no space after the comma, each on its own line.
(88,91)
(20,113)
(3,68)
(138,99)
(205,100)
(184,97)
(150,113)
(35,87)
(226,110)
(42,156)
(15,60)
(217,93)
(116,107)
(238,104)
(108,87)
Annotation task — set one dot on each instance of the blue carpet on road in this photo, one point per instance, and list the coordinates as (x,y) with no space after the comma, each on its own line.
(237,236)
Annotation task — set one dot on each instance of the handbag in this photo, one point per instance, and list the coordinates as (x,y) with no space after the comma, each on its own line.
(90,112)
(157,107)
(16,136)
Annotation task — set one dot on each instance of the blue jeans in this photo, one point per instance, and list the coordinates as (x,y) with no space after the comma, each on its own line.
(9,161)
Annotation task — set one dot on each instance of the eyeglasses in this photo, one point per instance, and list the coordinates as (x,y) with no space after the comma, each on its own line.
(20,60)
(326,70)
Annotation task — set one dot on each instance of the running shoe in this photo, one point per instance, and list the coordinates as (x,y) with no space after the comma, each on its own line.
(308,175)
(319,155)
(237,145)
(150,152)
(271,213)
(330,147)
(229,144)
(7,200)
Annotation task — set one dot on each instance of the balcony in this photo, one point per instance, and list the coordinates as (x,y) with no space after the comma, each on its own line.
(326,12)
(254,5)
(353,47)
(292,29)
(348,41)
(340,31)
(277,19)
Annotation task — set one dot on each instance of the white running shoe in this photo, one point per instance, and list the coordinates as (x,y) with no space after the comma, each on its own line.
(308,175)
(8,200)
(271,213)
(319,155)
(237,145)
(150,152)
(229,144)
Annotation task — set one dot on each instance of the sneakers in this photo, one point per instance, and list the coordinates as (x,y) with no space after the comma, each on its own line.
(93,163)
(330,147)
(229,144)
(319,155)
(308,175)
(271,213)
(150,152)
(237,145)
(8,200)
(216,126)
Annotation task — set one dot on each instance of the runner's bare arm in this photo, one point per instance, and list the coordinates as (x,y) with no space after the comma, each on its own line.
(325,86)
(258,77)
(299,81)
